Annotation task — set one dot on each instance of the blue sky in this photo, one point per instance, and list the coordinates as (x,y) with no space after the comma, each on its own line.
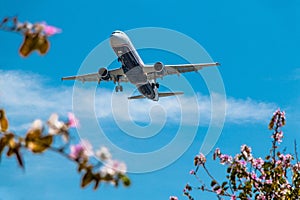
(257,43)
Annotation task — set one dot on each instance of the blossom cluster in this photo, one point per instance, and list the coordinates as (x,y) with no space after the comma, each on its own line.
(13,24)
(35,34)
(101,169)
(250,177)
(106,169)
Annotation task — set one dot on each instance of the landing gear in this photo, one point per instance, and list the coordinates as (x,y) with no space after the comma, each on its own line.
(119,88)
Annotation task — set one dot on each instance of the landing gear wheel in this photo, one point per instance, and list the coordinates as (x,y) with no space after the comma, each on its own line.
(119,88)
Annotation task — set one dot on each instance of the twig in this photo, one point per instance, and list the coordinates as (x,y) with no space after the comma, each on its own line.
(295,149)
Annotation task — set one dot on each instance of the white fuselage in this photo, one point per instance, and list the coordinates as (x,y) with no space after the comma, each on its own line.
(132,64)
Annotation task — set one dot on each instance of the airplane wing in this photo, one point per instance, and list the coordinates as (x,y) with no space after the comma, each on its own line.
(175,69)
(112,75)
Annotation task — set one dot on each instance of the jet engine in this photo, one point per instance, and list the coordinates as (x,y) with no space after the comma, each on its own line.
(158,66)
(103,73)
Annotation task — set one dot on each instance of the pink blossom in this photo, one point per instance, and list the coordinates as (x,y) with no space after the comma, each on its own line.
(261,197)
(246,151)
(288,157)
(55,126)
(103,154)
(225,159)
(199,159)
(192,172)
(173,198)
(269,181)
(233,197)
(73,121)
(217,153)
(253,176)
(258,163)
(36,125)
(242,162)
(113,167)
(76,151)
(278,136)
(296,167)
(83,149)
(219,191)
(50,30)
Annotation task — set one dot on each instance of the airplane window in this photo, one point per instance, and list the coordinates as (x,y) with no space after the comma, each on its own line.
(116,32)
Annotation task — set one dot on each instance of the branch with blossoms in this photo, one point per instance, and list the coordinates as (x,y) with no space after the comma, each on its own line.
(35,34)
(274,177)
(95,167)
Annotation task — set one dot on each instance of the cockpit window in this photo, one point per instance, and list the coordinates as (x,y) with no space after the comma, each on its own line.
(116,32)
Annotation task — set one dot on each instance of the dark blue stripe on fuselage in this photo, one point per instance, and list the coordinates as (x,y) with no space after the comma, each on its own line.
(129,62)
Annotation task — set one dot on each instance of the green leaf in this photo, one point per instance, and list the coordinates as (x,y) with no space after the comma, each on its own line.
(267,165)
(126,181)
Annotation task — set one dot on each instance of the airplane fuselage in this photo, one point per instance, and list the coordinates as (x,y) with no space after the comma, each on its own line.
(132,64)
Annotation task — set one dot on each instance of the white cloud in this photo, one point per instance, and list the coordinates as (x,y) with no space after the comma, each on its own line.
(248,110)
(29,95)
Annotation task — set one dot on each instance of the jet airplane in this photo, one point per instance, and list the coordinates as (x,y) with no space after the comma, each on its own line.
(134,70)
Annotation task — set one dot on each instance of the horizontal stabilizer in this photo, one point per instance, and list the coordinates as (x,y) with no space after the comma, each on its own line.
(137,97)
(164,94)
(167,94)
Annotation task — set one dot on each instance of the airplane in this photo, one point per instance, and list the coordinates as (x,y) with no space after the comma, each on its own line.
(134,70)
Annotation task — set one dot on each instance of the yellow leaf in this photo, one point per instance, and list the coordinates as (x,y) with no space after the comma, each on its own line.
(39,145)
(33,134)
(3,121)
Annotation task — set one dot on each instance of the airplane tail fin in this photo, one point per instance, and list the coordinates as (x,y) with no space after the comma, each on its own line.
(163,94)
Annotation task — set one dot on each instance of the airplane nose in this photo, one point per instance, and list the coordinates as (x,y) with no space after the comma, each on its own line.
(117,38)
(115,32)
(114,39)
